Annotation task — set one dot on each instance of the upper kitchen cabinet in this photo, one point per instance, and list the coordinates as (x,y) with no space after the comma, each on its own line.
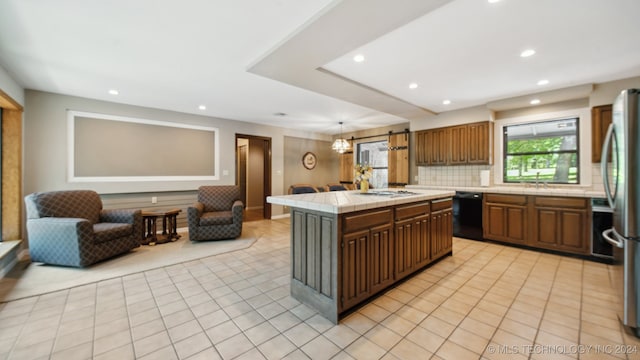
(431,147)
(480,143)
(439,147)
(455,145)
(600,120)
(459,145)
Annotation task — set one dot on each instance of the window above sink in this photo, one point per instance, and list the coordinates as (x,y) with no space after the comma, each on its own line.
(542,152)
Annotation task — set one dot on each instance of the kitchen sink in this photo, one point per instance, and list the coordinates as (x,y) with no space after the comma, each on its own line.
(389,193)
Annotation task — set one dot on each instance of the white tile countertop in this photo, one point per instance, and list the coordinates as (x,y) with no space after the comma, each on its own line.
(552,191)
(338,202)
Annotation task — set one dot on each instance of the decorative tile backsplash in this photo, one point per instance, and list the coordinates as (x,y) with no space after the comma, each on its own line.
(469,175)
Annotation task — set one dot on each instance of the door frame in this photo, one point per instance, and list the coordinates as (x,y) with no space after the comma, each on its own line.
(266,181)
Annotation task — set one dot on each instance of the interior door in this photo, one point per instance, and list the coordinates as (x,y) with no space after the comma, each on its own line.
(242,172)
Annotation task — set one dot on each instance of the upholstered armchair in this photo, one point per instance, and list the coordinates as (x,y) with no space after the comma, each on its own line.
(217,214)
(71,228)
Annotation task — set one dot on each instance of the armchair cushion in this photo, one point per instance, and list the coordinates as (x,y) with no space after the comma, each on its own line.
(70,228)
(111,231)
(216,218)
(217,214)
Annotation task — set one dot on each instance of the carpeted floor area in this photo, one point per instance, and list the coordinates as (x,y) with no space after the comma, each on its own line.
(29,279)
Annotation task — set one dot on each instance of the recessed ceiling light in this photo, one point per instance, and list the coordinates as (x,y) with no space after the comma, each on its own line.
(534,102)
(413,86)
(492,1)
(202,107)
(446,102)
(114,92)
(527,53)
(543,82)
(358,58)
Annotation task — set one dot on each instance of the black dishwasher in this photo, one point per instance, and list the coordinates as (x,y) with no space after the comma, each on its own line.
(467,215)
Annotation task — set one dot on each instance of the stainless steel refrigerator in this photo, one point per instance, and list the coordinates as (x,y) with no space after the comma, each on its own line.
(622,187)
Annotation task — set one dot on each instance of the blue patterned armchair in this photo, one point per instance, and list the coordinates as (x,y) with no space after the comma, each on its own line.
(217,214)
(71,228)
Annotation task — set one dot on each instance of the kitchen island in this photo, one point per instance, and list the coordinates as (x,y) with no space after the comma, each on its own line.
(348,246)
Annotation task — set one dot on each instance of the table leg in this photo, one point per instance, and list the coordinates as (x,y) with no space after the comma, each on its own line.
(154,237)
(164,225)
(174,227)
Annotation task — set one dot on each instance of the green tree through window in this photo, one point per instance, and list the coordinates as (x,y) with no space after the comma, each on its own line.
(542,152)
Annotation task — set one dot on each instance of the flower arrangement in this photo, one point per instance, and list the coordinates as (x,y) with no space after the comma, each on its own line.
(362,172)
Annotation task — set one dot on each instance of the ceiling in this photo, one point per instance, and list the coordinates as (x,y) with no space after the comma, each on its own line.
(254,60)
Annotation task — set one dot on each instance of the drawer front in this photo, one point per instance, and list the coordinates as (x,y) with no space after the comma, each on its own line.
(506,199)
(409,211)
(441,204)
(354,222)
(562,202)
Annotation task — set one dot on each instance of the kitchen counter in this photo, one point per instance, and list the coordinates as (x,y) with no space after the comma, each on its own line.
(339,202)
(506,189)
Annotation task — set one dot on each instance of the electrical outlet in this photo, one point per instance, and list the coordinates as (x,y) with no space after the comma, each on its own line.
(154,199)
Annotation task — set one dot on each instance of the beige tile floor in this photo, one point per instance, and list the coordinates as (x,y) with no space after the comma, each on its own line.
(485,302)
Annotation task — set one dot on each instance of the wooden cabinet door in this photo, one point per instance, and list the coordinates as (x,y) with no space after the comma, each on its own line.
(480,136)
(381,258)
(441,233)
(561,223)
(355,276)
(562,229)
(545,228)
(459,144)
(418,154)
(422,240)
(398,160)
(439,147)
(600,119)
(505,218)
(574,233)
(494,217)
(423,147)
(432,147)
(516,224)
(404,263)
(412,250)
(504,222)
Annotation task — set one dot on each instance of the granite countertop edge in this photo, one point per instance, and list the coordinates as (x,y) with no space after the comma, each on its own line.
(339,202)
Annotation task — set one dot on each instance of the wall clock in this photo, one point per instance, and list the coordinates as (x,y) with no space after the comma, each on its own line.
(309,160)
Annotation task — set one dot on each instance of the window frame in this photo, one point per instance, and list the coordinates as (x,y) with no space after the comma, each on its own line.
(383,168)
(578,163)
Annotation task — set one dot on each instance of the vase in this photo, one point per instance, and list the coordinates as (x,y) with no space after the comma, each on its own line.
(364,186)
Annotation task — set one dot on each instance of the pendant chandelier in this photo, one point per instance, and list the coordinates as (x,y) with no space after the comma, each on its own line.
(341,145)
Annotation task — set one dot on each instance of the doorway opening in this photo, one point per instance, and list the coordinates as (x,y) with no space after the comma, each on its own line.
(253,175)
